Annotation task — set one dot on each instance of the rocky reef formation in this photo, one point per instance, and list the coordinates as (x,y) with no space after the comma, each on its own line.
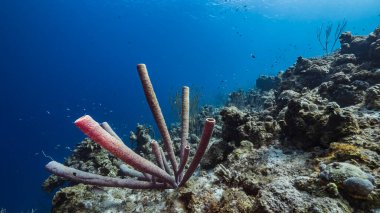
(266,83)
(307,140)
(141,139)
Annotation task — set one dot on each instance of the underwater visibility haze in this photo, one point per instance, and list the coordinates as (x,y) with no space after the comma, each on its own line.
(287,85)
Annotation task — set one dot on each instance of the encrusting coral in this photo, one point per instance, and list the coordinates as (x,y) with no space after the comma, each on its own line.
(152,176)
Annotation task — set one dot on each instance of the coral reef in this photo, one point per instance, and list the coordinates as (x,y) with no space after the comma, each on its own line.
(141,139)
(307,140)
(252,100)
(348,177)
(266,83)
(372,99)
(307,125)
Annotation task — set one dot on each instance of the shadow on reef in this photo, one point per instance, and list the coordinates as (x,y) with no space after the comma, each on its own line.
(307,140)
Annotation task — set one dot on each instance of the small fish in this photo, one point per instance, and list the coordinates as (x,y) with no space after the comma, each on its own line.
(253,56)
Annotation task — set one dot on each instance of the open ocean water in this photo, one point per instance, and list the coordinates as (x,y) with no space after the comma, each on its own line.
(62,59)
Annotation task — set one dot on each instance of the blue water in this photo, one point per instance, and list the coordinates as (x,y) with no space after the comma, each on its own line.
(63,59)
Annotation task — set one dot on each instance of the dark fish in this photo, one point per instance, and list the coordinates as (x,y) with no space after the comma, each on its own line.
(253,56)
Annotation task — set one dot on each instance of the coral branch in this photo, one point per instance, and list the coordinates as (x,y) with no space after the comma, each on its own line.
(98,180)
(206,135)
(93,130)
(157,113)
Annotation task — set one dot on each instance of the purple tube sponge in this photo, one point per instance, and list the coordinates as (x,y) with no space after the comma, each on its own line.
(155,177)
